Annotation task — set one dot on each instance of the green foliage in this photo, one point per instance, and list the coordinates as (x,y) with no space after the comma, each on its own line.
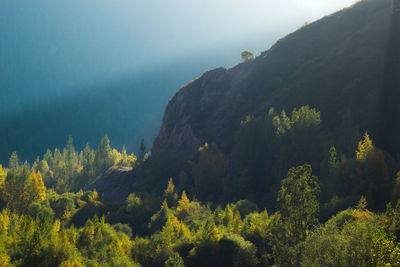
(209,172)
(52,227)
(14,163)
(174,261)
(104,158)
(170,195)
(247,55)
(297,214)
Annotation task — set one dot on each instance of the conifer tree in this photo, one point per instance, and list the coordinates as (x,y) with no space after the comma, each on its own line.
(183,206)
(103,158)
(170,194)
(88,164)
(14,163)
(209,172)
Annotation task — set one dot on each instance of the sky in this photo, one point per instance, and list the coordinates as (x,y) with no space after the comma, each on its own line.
(119,35)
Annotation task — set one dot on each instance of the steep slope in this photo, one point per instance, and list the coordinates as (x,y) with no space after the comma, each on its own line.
(335,64)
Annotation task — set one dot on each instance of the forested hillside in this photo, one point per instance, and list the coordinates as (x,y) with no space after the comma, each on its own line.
(283,160)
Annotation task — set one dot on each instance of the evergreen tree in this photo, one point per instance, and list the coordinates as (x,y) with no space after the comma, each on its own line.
(183,207)
(88,164)
(170,194)
(13,163)
(103,157)
(209,172)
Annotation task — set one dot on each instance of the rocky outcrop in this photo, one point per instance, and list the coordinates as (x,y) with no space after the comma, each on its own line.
(113,183)
(204,110)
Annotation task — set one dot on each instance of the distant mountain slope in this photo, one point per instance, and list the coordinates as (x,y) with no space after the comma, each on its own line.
(335,65)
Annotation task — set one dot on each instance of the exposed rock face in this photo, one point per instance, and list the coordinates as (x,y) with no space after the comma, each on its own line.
(112,182)
(204,110)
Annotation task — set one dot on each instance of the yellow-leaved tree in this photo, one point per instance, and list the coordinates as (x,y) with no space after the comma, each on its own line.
(183,206)
(3,175)
(38,187)
(365,147)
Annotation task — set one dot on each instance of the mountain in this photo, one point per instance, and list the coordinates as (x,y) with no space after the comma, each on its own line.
(335,65)
(342,65)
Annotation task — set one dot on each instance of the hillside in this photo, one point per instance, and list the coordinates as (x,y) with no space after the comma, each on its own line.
(288,159)
(335,66)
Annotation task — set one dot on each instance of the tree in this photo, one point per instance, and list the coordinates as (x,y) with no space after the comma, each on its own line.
(298,208)
(38,188)
(370,175)
(182,209)
(142,150)
(365,147)
(127,160)
(18,191)
(304,118)
(174,261)
(89,167)
(170,194)
(13,163)
(297,201)
(3,175)
(103,157)
(247,55)
(209,171)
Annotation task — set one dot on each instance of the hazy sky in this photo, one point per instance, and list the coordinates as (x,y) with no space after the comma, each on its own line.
(130,32)
(55,45)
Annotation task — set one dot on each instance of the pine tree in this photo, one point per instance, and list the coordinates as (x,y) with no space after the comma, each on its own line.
(103,157)
(170,194)
(88,164)
(13,163)
(183,206)
(209,172)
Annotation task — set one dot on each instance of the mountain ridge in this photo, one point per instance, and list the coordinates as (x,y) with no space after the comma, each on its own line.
(335,65)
